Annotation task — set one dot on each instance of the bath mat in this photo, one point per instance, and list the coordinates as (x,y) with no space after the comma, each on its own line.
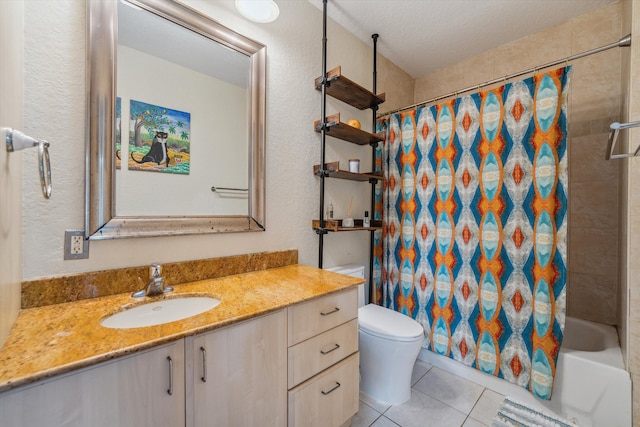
(517,414)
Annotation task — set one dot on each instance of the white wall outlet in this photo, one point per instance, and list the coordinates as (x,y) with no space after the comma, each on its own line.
(75,245)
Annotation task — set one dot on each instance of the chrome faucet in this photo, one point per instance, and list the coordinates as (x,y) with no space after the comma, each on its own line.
(156,283)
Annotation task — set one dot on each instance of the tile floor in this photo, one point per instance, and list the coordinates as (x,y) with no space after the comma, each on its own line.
(438,399)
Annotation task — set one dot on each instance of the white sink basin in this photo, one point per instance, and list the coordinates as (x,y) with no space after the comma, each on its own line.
(159,312)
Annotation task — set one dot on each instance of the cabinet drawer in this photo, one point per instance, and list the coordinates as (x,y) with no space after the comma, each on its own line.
(321,314)
(318,353)
(328,399)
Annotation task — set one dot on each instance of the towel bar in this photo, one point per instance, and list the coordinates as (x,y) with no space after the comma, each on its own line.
(214,189)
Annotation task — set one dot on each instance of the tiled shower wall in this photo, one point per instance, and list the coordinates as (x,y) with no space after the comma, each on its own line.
(594,102)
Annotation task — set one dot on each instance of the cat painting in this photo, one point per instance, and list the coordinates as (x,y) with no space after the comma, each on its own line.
(158,151)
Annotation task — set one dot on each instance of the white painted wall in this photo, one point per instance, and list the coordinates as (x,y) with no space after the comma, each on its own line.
(217,159)
(55,108)
(11,42)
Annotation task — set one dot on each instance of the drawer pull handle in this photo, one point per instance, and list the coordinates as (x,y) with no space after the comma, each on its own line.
(170,390)
(329,351)
(334,388)
(203,378)
(326,313)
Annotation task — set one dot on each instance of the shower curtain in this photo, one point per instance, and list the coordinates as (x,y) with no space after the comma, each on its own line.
(474,210)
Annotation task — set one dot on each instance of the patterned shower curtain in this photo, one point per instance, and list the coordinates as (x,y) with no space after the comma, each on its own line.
(474,210)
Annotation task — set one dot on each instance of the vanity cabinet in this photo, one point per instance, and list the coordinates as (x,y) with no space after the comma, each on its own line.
(296,366)
(323,360)
(237,375)
(146,388)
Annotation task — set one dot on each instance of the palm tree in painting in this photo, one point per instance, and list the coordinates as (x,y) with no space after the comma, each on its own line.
(148,116)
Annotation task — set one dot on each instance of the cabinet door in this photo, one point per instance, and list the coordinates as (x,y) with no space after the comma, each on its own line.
(239,374)
(130,391)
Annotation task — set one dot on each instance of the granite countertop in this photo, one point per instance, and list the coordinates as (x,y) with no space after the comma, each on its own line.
(54,339)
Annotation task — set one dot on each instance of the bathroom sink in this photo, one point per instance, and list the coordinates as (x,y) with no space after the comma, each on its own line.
(159,312)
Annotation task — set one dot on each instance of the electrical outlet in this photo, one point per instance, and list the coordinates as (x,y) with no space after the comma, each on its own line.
(75,245)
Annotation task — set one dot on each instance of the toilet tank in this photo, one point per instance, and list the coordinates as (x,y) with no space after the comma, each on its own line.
(356,271)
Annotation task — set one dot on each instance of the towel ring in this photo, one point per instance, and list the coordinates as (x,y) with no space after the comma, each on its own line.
(16,141)
(44,166)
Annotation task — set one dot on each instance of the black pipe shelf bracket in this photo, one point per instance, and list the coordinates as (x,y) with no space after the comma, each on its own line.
(336,85)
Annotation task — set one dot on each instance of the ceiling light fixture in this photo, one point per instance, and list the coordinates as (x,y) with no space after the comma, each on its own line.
(262,11)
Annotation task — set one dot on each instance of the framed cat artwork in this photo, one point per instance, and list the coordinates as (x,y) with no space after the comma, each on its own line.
(159,139)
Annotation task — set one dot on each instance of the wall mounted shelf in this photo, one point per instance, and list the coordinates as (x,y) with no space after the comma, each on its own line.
(343,131)
(340,87)
(333,171)
(336,225)
(333,83)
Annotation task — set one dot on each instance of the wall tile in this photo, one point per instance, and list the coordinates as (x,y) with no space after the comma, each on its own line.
(634,181)
(512,58)
(478,69)
(595,86)
(587,162)
(634,347)
(635,406)
(397,85)
(597,28)
(634,297)
(594,204)
(634,241)
(440,82)
(602,125)
(593,251)
(592,297)
(633,322)
(578,127)
(550,45)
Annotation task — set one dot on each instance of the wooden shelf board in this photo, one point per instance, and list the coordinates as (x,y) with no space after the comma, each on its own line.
(347,133)
(336,225)
(335,172)
(358,229)
(345,90)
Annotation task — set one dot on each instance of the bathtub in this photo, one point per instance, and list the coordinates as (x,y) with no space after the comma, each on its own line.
(591,386)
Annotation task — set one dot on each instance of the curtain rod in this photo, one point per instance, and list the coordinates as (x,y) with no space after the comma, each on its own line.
(625,41)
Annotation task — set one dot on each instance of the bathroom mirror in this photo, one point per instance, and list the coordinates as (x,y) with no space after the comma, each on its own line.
(176,123)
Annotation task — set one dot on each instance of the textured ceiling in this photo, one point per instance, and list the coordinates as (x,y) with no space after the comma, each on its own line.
(421,36)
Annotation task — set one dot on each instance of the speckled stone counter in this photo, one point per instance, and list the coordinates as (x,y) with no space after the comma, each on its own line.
(55,339)
(56,290)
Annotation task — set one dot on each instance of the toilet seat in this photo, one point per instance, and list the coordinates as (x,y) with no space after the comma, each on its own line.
(388,324)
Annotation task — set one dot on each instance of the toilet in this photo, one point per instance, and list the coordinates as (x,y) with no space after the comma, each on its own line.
(389,345)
